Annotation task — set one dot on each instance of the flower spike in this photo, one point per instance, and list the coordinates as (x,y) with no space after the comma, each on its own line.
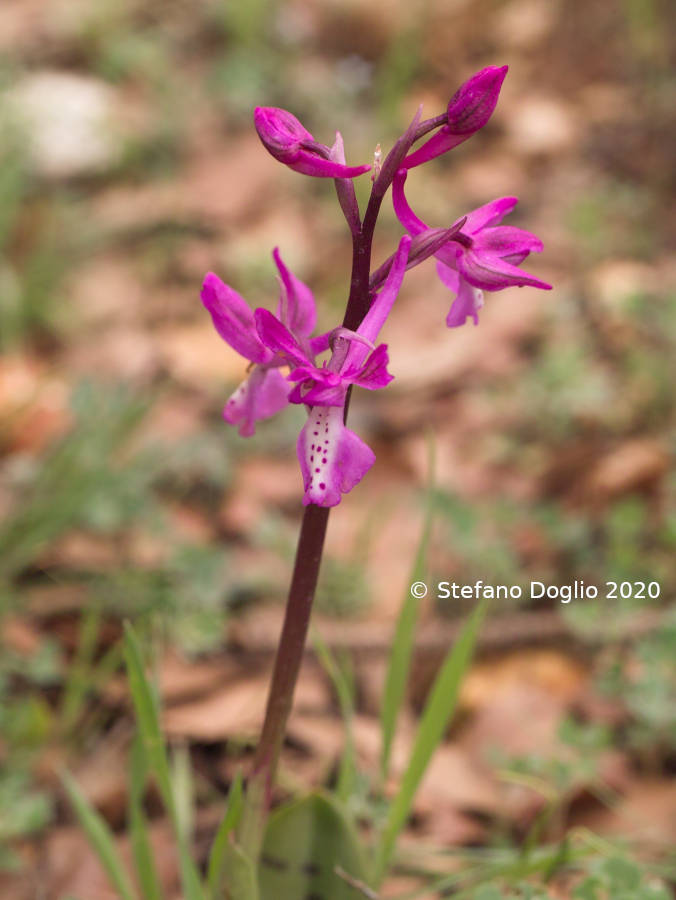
(288,141)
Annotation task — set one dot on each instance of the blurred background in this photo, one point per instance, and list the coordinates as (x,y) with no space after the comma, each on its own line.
(129,167)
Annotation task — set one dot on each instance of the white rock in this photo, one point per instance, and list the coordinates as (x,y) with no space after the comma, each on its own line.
(69,122)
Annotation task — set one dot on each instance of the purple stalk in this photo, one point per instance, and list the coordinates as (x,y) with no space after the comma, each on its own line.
(284,676)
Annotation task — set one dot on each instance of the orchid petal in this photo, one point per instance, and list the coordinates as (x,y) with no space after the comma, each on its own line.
(296,307)
(467,303)
(260,396)
(332,458)
(493,274)
(402,210)
(324,394)
(308,163)
(373,374)
(448,254)
(320,343)
(489,214)
(278,338)
(440,142)
(505,241)
(233,319)
(448,276)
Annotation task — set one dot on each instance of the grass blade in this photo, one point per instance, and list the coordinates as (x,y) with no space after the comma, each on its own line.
(438,710)
(156,755)
(138,826)
(228,824)
(100,837)
(404,634)
(344,687)
(183,789)
(79,681)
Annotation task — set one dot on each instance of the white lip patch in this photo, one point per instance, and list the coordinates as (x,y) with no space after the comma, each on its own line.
(333,458)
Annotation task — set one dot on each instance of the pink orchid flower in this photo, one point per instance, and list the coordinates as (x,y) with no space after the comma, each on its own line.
(481,255)
(333,459)
(265,391)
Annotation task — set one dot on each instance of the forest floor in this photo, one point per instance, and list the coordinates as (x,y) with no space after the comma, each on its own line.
(129,167)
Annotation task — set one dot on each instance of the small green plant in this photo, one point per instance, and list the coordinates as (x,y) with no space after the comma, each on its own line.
(642,678)
(619,878)
(26,720)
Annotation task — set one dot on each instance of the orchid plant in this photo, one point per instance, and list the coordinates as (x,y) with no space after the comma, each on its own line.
(288,365)
(313,848)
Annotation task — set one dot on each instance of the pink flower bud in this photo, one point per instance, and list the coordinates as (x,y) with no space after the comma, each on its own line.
(472,104)
(288,141)
(469,109)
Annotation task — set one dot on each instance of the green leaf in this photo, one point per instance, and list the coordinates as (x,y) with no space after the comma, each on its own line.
(404,633)
(438,710)
(101,838)
(156,754)
(310,850)
(225,829)
(241,882)
(138,827)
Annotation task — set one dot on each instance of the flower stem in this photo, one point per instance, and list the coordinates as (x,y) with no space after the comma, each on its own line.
(285,674)
(294,632)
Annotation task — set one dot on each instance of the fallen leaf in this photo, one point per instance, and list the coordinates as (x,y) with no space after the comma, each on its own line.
(237,708)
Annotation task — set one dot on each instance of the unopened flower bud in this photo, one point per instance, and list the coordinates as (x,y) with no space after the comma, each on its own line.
(288,141)
(468,110)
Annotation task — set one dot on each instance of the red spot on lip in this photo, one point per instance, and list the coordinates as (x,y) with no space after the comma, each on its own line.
(322,486)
